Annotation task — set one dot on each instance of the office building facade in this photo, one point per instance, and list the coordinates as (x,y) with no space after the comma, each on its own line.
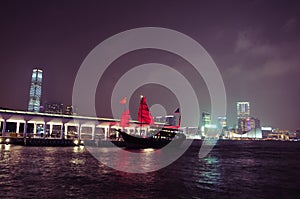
(248,124)
(35,93)
(243,110)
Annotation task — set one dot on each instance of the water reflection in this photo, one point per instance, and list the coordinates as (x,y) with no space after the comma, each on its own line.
(5,151)
(130,160)
(78,149)
(5,147)
(147,150)
(210,172)
(77,161)
(206,174)
(230,171)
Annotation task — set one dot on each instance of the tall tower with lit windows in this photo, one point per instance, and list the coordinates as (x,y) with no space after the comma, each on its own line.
(35,90)
(243,110)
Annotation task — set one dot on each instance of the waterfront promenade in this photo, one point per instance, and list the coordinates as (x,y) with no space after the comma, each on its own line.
(24,124)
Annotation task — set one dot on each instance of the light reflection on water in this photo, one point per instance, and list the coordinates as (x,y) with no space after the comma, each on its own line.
(210,174)
(231,170)
(4,151)
(125,159)
(78,149)
(5,147)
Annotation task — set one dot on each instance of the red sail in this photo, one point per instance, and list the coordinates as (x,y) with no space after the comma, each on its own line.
(144,116)
(124,122)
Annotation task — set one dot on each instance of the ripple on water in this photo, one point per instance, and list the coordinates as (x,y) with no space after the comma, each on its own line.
(231,170)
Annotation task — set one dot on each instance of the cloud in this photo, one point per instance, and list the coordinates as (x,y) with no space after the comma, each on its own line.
(275,67)
(243,41)
(250,41)
(260,57)
(290,25)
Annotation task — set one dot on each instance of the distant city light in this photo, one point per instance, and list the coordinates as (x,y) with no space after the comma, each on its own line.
(212,126)
(266,128)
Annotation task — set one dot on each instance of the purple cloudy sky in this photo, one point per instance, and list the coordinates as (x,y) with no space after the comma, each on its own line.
(255,44)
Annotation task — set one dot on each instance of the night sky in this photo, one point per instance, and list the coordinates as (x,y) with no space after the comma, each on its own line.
(255,44)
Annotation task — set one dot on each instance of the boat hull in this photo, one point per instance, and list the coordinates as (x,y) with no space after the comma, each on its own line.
(150,142)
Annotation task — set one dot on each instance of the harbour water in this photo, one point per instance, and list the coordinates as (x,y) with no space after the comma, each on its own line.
(233,169)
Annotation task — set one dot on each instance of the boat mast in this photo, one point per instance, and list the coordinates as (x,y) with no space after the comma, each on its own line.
(141,119)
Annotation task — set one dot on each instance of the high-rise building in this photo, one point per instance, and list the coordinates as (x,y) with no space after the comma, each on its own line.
(205,123)
(243,110)
(206,119)
(35,90)
(222,122)
(247,124)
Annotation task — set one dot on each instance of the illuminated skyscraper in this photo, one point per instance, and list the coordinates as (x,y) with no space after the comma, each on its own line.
(247,124)
(222,122)
(206,119)
(206,122)
(35,90)
(243,110)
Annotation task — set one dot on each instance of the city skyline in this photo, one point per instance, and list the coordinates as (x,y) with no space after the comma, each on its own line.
(255,46)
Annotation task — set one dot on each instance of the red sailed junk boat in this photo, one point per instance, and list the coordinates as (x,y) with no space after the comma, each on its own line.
(159,137)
